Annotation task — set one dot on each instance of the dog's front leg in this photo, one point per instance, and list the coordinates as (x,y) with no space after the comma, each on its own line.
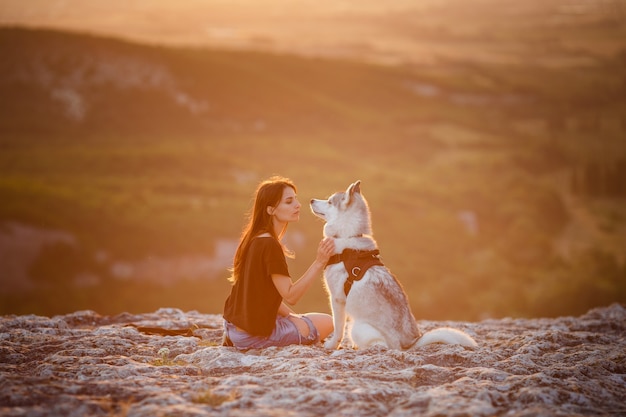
(338,305)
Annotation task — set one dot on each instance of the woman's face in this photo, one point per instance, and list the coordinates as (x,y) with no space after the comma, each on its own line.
(288,208)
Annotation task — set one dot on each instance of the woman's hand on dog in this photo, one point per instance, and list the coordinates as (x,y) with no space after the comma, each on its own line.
(325,250)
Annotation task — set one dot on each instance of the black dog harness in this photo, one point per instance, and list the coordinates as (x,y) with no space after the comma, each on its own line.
(356,262)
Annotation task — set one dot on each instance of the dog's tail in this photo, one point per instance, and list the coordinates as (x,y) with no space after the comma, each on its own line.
(448,336)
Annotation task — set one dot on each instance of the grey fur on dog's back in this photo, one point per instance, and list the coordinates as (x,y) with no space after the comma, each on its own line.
(380,300)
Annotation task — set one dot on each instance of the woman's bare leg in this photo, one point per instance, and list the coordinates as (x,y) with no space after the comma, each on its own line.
(322,322)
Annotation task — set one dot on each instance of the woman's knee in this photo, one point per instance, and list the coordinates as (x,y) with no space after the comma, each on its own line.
(323,323)
(301,325)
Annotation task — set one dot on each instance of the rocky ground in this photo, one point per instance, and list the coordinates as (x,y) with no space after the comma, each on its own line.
(85,364)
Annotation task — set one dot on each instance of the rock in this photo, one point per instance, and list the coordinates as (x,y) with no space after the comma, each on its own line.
(85,364)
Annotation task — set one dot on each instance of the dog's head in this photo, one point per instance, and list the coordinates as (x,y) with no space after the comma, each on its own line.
(346,213)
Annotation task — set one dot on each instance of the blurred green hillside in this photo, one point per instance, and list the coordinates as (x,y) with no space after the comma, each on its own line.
(495,189)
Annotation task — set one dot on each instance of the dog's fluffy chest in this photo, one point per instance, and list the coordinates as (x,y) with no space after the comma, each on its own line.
(335,276)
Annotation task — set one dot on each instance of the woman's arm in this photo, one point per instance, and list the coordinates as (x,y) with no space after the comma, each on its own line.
(284,310)
(292,292)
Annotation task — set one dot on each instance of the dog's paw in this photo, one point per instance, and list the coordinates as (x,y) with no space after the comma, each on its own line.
(331,344)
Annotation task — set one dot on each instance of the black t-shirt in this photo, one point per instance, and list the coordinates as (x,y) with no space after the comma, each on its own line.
(254,300)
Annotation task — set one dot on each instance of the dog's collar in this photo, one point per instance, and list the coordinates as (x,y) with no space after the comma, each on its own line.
(356,262)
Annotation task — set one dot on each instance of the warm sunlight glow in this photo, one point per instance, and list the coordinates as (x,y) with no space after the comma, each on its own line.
(488,136)
(393,31)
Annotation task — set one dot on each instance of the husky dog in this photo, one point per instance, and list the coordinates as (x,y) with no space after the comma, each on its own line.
(360,286)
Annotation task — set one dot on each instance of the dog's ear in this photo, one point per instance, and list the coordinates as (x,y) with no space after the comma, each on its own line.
(354,188)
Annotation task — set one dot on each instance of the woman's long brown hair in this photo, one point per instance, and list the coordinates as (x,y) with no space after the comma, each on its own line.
(268,193)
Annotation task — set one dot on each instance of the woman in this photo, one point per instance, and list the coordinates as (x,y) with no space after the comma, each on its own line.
(255,313)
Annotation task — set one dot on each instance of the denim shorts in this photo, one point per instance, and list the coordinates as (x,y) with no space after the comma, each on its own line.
(285,333)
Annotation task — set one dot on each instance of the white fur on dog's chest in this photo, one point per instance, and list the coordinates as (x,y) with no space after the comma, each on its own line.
(335,276)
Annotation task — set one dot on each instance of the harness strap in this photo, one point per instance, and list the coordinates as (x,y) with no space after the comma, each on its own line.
(357,263)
